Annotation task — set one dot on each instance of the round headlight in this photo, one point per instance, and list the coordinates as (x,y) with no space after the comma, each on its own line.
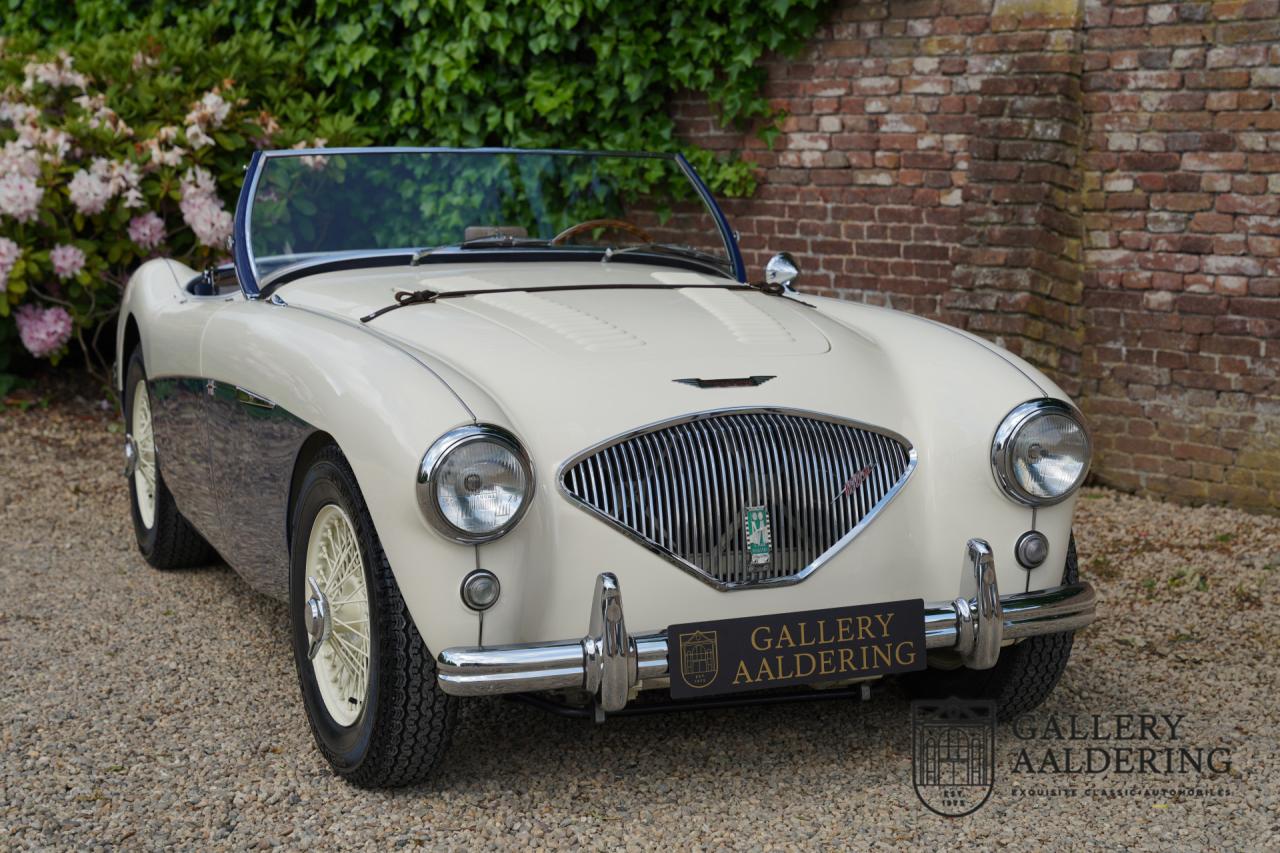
(1041,453)
(474,483)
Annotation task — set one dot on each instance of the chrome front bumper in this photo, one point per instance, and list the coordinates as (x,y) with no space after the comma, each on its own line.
(609,663)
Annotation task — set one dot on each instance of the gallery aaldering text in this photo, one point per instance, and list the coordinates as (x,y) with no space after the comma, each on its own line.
(1161,750)
(789,662)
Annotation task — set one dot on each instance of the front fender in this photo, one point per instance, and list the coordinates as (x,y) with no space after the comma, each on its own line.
(384,407)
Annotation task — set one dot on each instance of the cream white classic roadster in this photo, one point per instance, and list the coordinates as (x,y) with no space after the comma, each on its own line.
(518,422)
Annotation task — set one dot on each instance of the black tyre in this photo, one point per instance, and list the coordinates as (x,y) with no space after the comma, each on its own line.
(371,697)
(1022,679)
(165,538)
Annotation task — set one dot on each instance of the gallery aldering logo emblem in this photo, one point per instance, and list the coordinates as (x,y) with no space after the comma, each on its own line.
(699,658)
(953,754)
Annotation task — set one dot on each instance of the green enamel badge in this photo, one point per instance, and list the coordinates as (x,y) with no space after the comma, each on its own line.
(759,536)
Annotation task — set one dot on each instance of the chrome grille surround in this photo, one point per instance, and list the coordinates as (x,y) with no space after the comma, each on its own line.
(680,487)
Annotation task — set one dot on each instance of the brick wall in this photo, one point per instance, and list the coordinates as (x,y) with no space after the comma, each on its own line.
(1095,186)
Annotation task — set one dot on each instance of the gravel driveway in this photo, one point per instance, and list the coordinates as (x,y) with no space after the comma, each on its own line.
(142,709)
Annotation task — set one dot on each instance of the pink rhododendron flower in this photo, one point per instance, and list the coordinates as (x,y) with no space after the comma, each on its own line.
(100,115)
(147,230)
(17,113)
(20,196)
(203,210)
(9,252)
(67,261)
(197,138)
(208,112)
(18,158)
(56,74)
(314,162)
(91,190)
(270,127)
(43,331)
(160,155)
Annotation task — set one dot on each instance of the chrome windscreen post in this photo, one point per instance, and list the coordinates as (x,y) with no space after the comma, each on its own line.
(985,621)
(608,652)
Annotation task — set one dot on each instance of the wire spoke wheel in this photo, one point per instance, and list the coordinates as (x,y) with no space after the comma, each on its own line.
(336,578)
(144,475)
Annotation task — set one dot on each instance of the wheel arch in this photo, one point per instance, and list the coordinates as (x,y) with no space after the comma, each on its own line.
(307,453)
(131,340)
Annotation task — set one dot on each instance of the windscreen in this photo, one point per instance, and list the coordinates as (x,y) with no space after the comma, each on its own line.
(328,204)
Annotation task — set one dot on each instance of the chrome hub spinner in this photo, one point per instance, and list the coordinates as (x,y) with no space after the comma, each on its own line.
(319,620)
(130,456)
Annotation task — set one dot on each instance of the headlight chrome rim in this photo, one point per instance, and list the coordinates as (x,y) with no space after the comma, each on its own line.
(1013,423)
(432,463)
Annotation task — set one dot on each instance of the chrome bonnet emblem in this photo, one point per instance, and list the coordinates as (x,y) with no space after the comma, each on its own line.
(733,382)
(851,485)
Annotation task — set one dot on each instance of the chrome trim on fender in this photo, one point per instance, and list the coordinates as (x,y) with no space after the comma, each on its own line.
(248,398)
(609,664)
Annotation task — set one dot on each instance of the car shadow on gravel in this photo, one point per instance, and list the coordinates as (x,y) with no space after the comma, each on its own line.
(520,748)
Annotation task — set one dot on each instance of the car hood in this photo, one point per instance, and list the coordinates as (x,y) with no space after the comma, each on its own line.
(568,369)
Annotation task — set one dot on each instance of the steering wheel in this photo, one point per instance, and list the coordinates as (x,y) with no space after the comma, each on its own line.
(619,224)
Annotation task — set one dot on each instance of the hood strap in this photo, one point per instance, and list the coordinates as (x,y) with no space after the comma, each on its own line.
(415,297)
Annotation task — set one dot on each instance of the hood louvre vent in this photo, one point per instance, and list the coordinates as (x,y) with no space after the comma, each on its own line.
(743,498)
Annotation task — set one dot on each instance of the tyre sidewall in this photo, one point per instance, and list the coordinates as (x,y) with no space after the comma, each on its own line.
(346,747)
(136,372)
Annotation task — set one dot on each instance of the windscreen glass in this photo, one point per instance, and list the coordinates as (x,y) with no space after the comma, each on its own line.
(329,204)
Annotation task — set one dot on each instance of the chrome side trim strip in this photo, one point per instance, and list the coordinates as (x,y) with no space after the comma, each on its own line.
(248,398)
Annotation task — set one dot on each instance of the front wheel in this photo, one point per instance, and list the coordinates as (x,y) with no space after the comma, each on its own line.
(1020,681)
(368,682)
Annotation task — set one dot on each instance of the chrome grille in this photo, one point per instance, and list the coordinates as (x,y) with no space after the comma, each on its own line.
(683,488)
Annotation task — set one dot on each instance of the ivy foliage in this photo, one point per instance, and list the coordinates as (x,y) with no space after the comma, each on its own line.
(596,74)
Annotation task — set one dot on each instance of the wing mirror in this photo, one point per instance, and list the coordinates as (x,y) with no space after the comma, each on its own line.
(781,270)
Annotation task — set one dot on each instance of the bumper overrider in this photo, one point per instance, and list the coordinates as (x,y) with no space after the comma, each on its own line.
(609,664)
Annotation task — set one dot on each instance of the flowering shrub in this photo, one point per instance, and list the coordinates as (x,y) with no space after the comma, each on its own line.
(127,148)
(131,143)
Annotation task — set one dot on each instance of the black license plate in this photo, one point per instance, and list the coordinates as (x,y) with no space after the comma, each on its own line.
(787,649)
